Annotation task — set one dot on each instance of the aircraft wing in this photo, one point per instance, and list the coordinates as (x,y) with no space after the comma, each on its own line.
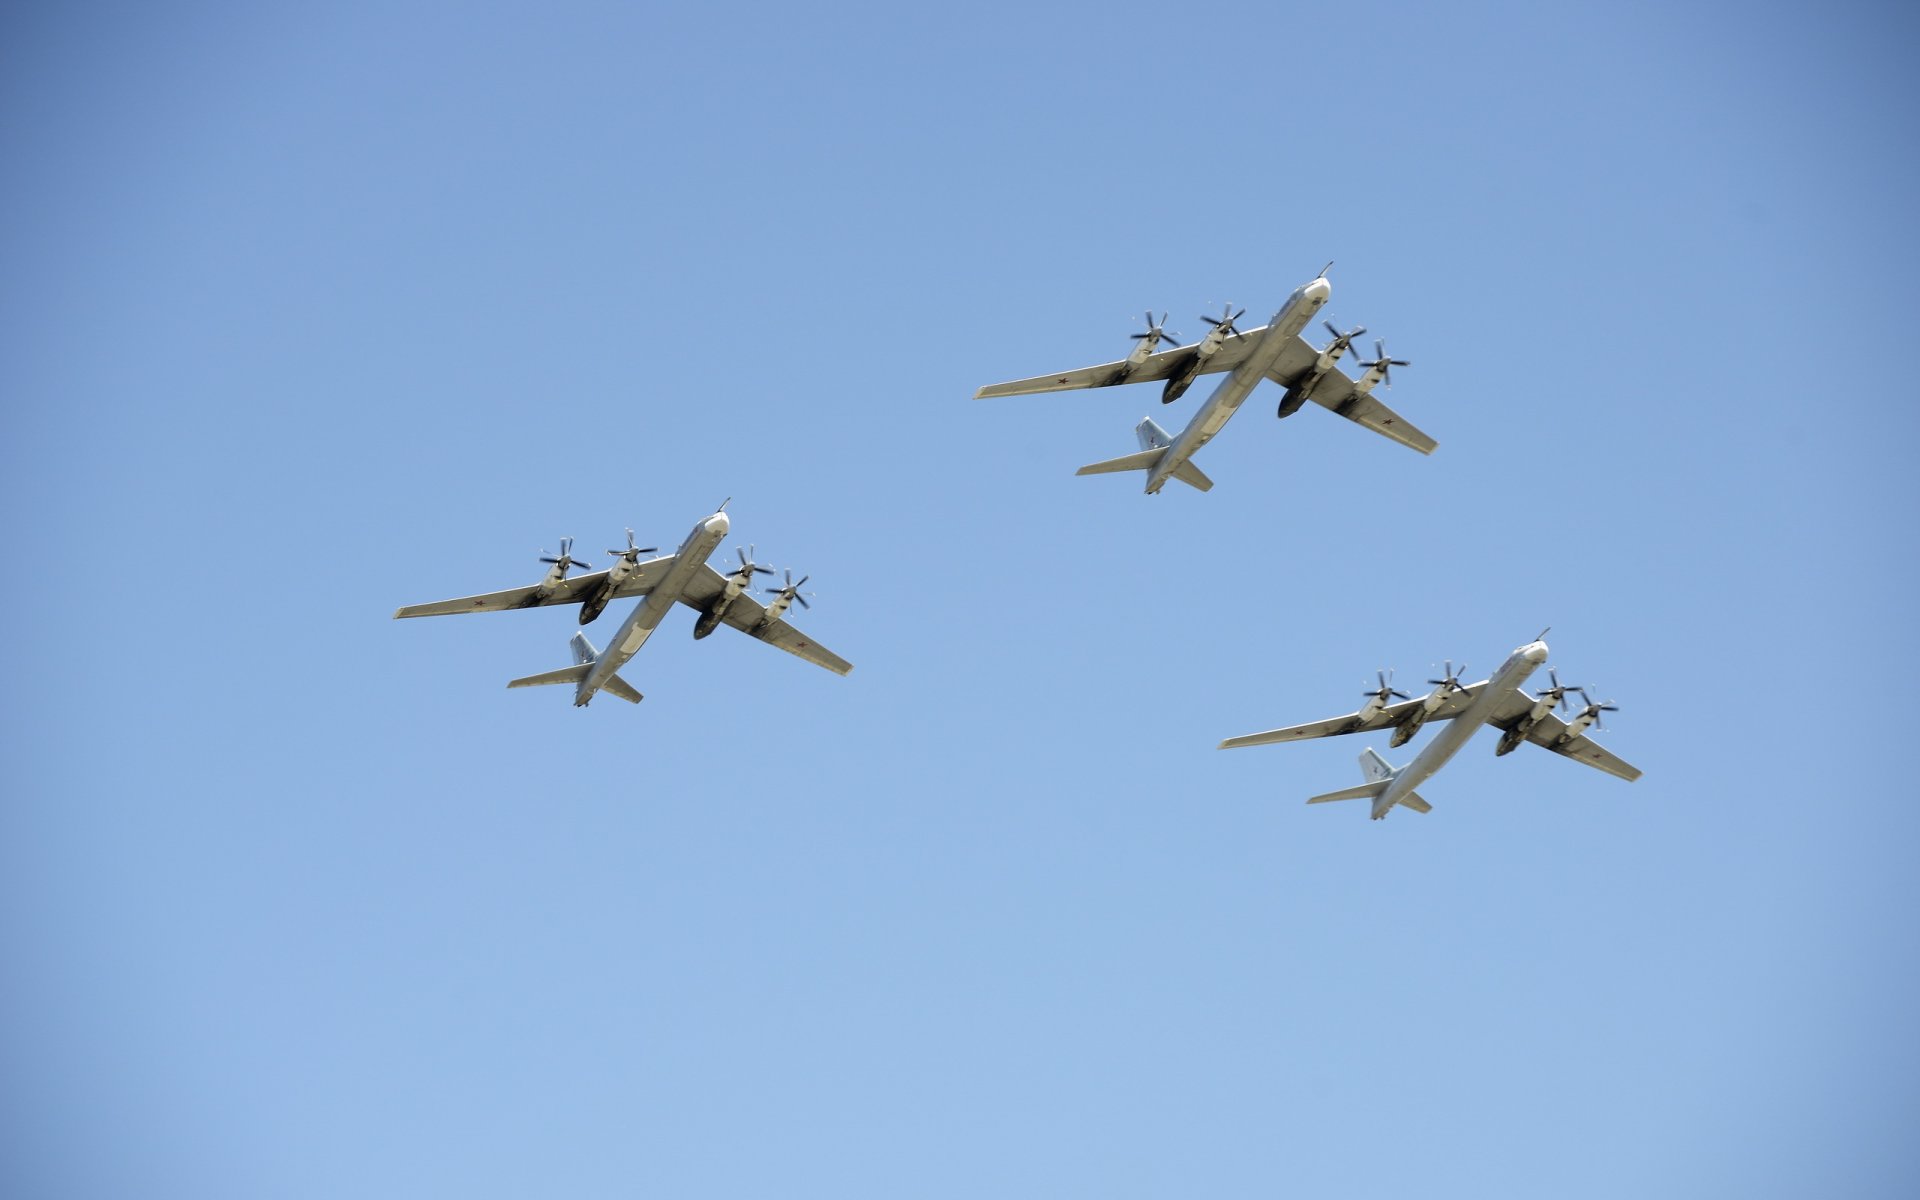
(567,591)
(749,616)
(1336,392)
(1158,366)
(1386,718)
(1551,730)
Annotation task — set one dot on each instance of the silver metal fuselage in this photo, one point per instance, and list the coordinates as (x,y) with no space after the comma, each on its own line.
(647,615)
(1522,663)
(1240,382)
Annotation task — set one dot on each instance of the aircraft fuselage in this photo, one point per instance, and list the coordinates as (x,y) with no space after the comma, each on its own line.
(647,615)
(1240,382)
(1522,663)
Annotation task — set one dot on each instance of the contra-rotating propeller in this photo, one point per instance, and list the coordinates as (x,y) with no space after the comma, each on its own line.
(1594,710)
(566,559)
(792,590)
(1557,694)
(1452,680)
(1223,324)
(1386,688)
(748,567)
(632,553)
(1385,364)
(1157,330)
(1342,342)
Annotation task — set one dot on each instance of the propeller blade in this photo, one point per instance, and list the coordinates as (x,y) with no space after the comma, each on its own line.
(802,600)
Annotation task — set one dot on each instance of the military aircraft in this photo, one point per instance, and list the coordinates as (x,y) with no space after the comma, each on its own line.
(1497,701)
(683,575)
(1274,351)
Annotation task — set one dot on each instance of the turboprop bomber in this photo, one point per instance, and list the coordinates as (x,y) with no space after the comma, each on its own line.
(683,576)
(1498,701)
(1275,351)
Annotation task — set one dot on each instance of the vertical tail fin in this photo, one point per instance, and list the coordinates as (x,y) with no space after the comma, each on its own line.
(1151,436)
(1375,768)
(1379,773)
(583,651)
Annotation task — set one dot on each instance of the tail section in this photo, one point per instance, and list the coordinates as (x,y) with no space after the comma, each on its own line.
(584,658)
(1146,460)
(583,651)
(1375,768)
(1151,436)
(1154,444)
(1380,773)
(573,674)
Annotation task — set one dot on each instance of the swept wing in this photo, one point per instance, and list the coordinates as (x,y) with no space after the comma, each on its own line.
(568,591)
(1158,366)
(1336,393)
(749,616)
(1551,729)
(1455,704)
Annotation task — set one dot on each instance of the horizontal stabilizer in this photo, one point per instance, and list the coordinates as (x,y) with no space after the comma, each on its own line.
(1413,801)
(1359,791)
(573,674)
(1190,475)
(1143,461)
(616,686)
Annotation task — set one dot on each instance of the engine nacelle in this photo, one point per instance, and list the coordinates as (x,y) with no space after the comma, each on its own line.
(1177,385)
(1409,725)
(594,605)
(1291,402)
(708,621)
(1578,726)
(1511,739)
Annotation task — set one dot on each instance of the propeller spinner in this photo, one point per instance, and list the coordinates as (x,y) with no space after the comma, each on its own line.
(1223,324)
(1452,680)
(792,590)
(1157,331)
(566,560)
(1386,688)
(1594,710)
(1342,342)
(748,567)
(1385,364)
(1557,694)
(632,553)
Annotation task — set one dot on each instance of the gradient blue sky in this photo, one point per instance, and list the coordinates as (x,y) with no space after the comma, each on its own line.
(312,311)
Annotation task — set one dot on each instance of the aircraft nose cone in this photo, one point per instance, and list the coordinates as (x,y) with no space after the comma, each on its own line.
(1536,653)
(718,523)
(1319,290)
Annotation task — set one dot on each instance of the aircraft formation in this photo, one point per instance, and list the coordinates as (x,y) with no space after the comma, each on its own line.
(1277,351)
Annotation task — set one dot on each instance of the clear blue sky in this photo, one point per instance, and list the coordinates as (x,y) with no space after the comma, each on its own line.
(307,312)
